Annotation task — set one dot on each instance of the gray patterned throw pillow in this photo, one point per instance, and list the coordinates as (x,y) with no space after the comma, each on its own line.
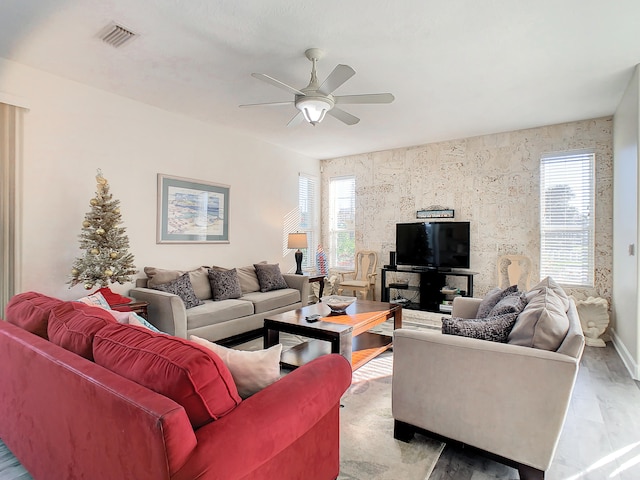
(495,329)
(182,287)
(224,284)
(512,303)
(492,298)
(270,277)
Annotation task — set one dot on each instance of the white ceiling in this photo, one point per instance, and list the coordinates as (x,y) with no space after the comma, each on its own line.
(457,68)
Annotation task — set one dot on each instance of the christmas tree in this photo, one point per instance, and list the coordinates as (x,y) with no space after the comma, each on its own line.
(106,258)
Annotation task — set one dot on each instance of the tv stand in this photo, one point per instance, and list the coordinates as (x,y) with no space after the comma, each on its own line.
(431,283)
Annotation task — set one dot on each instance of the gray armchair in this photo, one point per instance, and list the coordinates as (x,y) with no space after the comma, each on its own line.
(508,400)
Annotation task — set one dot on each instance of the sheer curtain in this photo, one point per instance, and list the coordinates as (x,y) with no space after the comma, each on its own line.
(11,118)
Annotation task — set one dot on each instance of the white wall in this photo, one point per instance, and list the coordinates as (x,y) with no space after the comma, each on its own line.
(71,130)
(625,227)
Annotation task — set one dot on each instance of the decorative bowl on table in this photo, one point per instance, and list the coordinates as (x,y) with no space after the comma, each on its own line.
(337,303)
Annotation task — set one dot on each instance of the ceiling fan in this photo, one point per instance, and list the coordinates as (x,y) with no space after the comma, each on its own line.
(315,100)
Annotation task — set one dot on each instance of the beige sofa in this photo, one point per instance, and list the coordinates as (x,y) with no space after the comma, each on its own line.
(504,399)
(224,321)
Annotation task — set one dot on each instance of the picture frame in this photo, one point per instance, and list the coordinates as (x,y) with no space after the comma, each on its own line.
(443,213)
(192,211)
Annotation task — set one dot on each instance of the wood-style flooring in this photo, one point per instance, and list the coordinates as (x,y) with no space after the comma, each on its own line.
(600,439)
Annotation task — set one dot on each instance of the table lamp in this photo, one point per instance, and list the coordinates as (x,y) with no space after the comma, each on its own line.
(297,240)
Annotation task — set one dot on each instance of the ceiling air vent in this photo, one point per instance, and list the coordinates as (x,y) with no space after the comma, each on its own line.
(116,35)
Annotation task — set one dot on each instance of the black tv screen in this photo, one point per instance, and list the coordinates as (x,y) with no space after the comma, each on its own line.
(442,245)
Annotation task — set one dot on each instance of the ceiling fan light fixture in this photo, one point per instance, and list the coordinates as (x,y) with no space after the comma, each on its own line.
(313,109)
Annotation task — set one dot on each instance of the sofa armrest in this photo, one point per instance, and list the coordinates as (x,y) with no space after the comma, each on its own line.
(166,311)
(465,307)
(505,399)
(301,283)
(267,423)
(67,417)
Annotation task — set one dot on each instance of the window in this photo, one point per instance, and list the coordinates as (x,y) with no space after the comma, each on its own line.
(308,218)
(567,218)
(342,205)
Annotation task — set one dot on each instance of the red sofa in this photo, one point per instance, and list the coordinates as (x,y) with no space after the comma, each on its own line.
(65,416)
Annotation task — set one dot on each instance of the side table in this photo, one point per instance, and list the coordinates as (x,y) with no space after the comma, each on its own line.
(134,306)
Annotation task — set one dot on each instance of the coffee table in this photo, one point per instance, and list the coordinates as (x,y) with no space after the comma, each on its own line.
(347,334)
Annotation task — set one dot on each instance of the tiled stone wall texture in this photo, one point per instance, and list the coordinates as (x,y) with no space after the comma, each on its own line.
(491,181)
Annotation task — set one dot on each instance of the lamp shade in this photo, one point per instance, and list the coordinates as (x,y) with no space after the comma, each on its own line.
(297,240)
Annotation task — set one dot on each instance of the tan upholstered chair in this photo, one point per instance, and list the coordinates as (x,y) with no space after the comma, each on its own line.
(514,270)
(363,278)
(505,399)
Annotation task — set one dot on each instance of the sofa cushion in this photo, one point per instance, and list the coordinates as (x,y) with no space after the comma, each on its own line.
(199,279)
(158,276)
(248,279)
(492,298)
(511,303)
(190,375)
(495,329)
(73,325)
(210,312)
(543,323)
(270,277)
(30,311)
(267,301)
(551,284)
(182,287)
(224,284)
(251,370)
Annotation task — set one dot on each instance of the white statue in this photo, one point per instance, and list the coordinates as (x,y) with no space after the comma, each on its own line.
(594,318)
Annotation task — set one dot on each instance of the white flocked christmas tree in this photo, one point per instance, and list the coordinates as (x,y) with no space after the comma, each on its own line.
(106,258)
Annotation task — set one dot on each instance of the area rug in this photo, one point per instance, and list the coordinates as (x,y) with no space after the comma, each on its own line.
(368,450)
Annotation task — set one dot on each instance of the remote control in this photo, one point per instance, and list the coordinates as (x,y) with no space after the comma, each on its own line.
(313,318)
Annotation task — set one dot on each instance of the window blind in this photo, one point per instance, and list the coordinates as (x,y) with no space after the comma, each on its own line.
(342,199)
(567,200)
(307,191)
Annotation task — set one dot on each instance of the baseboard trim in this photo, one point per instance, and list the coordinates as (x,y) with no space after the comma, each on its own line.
(631,365)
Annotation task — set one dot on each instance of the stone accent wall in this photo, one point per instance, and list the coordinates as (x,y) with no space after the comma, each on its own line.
(491,181)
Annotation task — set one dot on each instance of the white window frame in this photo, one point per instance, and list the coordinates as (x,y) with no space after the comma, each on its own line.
(567,231)
(308,220)
(342,205)
(11,156)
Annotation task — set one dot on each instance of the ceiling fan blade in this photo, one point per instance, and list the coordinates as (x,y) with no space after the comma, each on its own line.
(270,104)
(295,121)
(366,98)
(340,74)
(277,83)
(343,116)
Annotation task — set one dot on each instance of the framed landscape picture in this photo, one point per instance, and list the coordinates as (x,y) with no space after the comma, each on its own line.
(192,211)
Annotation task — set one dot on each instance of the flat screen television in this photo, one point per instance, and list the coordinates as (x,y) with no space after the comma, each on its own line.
(433,245)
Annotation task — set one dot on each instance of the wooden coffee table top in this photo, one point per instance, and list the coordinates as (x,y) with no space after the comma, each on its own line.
(348,333)
(360,316)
